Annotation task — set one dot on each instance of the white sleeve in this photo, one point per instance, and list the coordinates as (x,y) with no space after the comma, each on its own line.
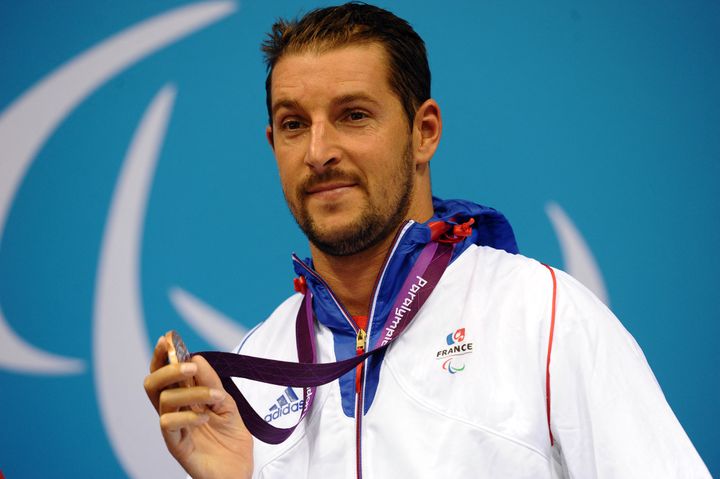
(608,415)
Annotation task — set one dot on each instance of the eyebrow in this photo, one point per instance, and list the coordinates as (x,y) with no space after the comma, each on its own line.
(343,100)
(289,104)
(353,97)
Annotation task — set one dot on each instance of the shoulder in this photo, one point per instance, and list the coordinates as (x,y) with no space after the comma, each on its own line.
(498,262)
(498,276)
(518,290)
(585,327)
(527,278)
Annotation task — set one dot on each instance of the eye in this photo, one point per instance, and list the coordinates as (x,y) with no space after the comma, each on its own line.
(356,115)
(291,125)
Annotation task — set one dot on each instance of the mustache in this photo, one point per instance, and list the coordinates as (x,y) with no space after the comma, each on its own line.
(326,177)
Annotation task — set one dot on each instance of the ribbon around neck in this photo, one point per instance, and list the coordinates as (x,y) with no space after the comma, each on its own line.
(306,373)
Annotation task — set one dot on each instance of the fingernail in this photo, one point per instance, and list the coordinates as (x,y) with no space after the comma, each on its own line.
(216,394)
(188,368)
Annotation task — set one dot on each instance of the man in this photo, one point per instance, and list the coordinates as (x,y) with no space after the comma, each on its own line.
(508,370)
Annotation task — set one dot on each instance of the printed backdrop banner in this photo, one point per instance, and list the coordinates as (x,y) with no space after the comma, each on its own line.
(138,194)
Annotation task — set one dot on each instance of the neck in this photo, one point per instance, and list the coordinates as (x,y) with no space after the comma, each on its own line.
(352,278)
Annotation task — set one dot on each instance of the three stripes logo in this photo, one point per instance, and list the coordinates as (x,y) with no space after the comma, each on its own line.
(288,403)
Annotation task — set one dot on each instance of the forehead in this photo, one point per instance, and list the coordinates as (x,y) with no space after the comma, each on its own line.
(315,75)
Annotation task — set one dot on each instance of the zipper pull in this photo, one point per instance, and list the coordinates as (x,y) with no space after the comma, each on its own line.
(360,341)
(359,349)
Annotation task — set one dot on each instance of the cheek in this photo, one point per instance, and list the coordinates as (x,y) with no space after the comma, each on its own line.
(285,165)
(392,165)
(286,178)
(288,183)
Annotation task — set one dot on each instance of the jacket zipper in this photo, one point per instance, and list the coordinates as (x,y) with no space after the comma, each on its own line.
(361,339)
(360,344)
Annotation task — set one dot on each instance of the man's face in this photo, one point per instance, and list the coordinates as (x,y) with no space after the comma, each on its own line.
(343,146)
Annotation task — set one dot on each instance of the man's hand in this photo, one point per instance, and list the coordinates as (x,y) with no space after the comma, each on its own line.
(201,425)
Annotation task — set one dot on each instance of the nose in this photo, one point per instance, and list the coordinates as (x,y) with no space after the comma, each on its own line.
(323,151)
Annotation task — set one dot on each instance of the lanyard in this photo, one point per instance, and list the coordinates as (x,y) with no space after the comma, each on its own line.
(307,374)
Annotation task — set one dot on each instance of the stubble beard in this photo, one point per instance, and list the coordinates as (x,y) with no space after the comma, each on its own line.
(375,224)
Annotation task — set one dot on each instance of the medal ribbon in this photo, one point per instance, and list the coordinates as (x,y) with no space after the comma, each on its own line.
(306,373)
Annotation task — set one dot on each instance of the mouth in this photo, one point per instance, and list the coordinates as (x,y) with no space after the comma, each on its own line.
(330,188)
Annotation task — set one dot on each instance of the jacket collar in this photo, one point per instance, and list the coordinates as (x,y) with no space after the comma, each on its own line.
(490,228)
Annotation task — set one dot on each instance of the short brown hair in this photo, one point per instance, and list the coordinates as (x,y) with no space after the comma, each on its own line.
(356,22)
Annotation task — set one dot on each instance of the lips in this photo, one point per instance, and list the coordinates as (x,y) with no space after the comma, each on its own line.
(328,187)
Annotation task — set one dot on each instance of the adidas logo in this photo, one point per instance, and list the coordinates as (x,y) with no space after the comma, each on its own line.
(285,404)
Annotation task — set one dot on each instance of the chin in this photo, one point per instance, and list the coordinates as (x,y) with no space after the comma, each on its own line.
(335,235)
(350,238)
(345,230)
(337,229)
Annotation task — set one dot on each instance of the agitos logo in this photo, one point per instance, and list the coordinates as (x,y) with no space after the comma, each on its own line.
(456,347)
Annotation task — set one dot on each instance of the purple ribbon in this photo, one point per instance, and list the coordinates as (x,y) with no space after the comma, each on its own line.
(307,374)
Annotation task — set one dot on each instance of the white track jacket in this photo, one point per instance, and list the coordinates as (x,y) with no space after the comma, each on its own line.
(463,392)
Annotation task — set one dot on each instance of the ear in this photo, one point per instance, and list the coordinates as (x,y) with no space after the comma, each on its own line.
(269,136)
(427,130)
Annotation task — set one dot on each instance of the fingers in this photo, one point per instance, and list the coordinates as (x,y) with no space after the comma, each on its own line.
(159,358)
(173,399)
(160,384)
(175,421)
(172,425)
(153,382)
(183,409)
(167,376)
(206,375)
